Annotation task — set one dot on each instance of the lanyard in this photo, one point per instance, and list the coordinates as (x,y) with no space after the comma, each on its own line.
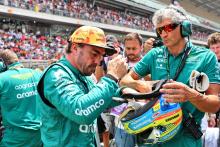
(181,64)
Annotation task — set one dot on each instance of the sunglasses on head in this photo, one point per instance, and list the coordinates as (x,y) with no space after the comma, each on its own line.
(167,28)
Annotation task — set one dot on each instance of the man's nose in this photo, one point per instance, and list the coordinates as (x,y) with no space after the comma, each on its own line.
(98,60)
(129,52)
(163,34)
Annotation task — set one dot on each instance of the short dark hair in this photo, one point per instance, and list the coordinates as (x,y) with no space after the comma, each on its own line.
(132,36)
(68,49)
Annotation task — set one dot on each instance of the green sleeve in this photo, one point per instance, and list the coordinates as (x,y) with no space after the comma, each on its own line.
(143,67)
(117,94)
(67,95)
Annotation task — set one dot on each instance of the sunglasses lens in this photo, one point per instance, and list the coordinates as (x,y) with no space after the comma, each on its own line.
(167,28)
(159,30)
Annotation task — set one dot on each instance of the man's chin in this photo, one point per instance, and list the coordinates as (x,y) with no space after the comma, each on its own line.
(133,59)
(87,74)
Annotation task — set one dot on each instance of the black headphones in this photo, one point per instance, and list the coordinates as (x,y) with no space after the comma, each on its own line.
(3,66)
(185,25)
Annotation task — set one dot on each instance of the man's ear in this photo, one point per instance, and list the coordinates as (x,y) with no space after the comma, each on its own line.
(73,47)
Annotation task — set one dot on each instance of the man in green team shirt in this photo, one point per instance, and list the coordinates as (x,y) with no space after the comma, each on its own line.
(18,102)
(71,101)
(173,27)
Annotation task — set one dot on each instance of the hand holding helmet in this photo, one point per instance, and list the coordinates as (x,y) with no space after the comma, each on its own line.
(179,92)
(175,92)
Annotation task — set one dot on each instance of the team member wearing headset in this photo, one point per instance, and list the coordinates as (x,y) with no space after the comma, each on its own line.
(163,62)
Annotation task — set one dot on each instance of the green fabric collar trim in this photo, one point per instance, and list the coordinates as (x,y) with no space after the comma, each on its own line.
(71,67)
(14,65)
(188,44)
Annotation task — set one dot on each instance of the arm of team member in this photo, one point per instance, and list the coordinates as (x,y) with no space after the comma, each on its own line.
(69,98)
(132,80)
(148,45)
(179,92)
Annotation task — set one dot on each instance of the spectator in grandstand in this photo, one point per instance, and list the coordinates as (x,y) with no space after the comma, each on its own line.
(87,10)
(19,109)
(113,43)
(71,101)
(32,46)
(174,28)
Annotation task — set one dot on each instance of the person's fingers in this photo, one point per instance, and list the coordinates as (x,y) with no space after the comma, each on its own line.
(149,41)
(174,98)
(173,91)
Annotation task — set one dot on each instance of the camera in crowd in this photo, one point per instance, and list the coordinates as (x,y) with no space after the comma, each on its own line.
(157,43)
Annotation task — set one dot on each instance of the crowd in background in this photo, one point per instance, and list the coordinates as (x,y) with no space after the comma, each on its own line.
(86,10)
(32,45)
(197,35)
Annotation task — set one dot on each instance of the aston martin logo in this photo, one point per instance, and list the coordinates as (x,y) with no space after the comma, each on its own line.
(22,76)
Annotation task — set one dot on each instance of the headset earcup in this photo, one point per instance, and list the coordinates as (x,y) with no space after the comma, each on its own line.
(3,67)
(186,28)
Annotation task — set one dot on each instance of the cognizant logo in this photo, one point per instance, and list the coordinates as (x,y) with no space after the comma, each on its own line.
(90,109)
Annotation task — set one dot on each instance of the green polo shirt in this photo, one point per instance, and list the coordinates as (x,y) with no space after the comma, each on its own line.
(156,63)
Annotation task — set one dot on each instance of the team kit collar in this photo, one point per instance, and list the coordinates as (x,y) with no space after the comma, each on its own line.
(188,45)
(69,65)
(15,65)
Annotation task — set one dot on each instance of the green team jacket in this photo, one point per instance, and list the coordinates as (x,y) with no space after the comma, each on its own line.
(77,101)
(18,101)
(155,62)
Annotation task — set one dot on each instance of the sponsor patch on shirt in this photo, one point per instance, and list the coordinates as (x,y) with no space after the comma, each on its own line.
(89,109)
(22,76)
(161,63)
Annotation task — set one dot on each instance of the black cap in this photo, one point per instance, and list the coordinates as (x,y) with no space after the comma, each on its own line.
(112,42)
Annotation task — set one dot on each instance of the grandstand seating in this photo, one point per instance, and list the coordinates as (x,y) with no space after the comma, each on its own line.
(32,46)
(87,10)
(37,45)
